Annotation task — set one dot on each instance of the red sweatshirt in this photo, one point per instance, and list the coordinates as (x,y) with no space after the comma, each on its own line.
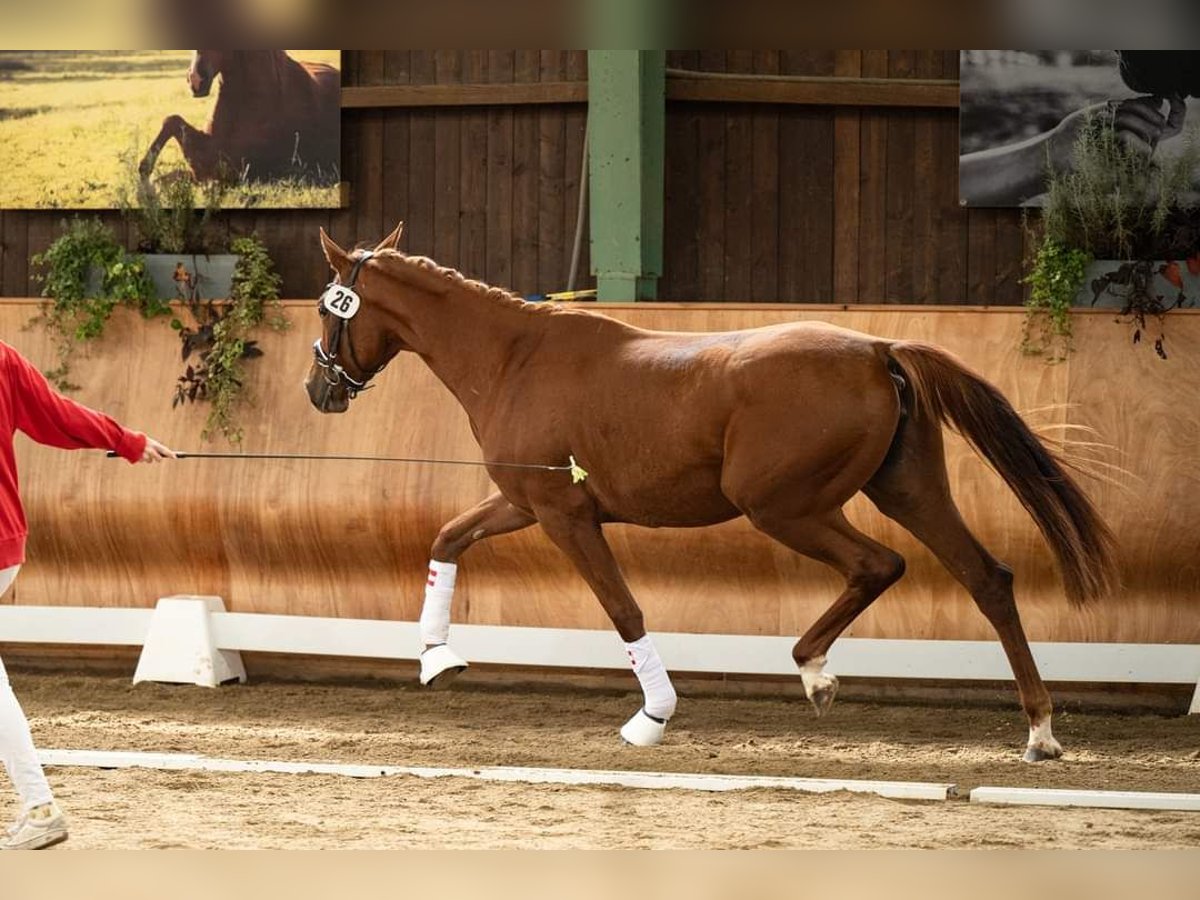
(28,403)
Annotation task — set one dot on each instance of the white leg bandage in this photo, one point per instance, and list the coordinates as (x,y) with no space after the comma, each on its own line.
(439,593)
(653,677)
(16,744)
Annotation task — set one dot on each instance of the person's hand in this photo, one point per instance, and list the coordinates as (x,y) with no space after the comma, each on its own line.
(1139,123)
(155,451)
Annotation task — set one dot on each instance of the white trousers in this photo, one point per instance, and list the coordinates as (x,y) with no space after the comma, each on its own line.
(16,744)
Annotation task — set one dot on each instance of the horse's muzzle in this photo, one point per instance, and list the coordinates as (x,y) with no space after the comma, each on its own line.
(201,85)
(326,397)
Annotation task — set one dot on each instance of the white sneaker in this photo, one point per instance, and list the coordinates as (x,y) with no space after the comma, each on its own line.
(40,827)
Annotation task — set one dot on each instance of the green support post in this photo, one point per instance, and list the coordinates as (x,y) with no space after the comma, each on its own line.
(626,135)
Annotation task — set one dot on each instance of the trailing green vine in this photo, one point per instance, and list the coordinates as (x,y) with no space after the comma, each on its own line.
(221,339)
(86,274)
(1057,274)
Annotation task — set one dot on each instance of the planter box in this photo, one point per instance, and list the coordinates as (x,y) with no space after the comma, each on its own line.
(1109,300)
(212,274)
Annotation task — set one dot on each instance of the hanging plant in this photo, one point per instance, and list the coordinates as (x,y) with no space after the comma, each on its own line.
(220,339)
(1057,274)
(86,275)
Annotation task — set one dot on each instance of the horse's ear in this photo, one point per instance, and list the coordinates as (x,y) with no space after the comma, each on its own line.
(338,259)
(392,241)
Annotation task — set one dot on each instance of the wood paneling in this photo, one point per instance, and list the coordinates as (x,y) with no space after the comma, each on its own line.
(811,91)
(791,176)
(352,539)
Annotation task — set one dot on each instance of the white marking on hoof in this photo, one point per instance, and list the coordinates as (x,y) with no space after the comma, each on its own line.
(440,665)
(1042,745)
(643,731)
(819,687)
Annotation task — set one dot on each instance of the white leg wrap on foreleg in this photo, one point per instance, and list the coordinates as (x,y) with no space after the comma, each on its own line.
(437,658)
(648,725)
(439,594)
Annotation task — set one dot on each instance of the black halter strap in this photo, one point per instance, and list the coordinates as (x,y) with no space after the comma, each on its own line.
(327,361)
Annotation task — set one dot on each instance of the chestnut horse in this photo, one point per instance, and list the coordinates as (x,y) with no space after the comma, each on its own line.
(781,424)
(274,117)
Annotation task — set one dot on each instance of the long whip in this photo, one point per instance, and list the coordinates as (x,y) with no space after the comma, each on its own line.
(578,473)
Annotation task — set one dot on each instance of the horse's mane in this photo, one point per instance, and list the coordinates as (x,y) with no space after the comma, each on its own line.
(447,278)
(231,104)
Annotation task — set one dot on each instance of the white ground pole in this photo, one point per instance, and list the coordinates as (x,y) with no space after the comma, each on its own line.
(1096,799)
(897,790)
(228,633)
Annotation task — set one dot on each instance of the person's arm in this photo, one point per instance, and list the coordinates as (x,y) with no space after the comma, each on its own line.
(57,421)
(1005,176)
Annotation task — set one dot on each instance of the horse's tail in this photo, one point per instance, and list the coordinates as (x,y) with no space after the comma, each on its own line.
(946,391)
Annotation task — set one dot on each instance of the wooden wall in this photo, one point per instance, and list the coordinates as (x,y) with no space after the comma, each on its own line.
(352,539)
(764,201)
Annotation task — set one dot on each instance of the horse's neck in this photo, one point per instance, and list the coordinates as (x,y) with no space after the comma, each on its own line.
(469,341)
(250,79)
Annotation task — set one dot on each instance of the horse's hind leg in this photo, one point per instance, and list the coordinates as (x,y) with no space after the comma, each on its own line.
(912,488)
(495,515)
(868,567)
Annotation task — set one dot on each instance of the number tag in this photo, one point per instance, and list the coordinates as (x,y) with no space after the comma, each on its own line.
(341,301)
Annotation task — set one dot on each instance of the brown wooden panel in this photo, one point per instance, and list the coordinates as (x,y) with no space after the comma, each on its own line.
(444,95)
(872,272)
(811,91)
(420,219)
(847,161)
(739,190)
(473,178)
(447,166)
(926,197)
(981,256)
(14,245)
(710,239)
(525,160)
(367,127)
(552,235)
(396,146)
(764,234)
(806,148)
(499,191)
(901,188)
(950,226)
(1009,257)
(267,537)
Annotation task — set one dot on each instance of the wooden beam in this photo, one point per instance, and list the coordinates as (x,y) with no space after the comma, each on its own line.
(719,87)
(501,94)
(682,84)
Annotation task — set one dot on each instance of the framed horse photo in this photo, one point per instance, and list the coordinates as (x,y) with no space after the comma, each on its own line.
(90,129)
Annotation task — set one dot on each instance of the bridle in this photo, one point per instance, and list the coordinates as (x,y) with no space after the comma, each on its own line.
(331,369)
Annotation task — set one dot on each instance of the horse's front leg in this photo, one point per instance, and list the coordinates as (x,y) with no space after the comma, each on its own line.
(197,146)
(495,515)
(583,542)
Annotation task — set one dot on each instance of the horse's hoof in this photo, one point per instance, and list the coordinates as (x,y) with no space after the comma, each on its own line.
(1036,753)
(440,666)
(822,696)
(642,730)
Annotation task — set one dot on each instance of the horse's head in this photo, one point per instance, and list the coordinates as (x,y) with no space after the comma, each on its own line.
(206,66)
(355,343)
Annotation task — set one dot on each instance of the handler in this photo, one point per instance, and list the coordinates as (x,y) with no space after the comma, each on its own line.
(29,404)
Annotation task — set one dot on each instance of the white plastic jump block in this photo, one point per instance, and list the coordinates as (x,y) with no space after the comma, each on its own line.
(180,649)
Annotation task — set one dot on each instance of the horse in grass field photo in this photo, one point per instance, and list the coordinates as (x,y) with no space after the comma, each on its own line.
(275,117)
(584,420)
